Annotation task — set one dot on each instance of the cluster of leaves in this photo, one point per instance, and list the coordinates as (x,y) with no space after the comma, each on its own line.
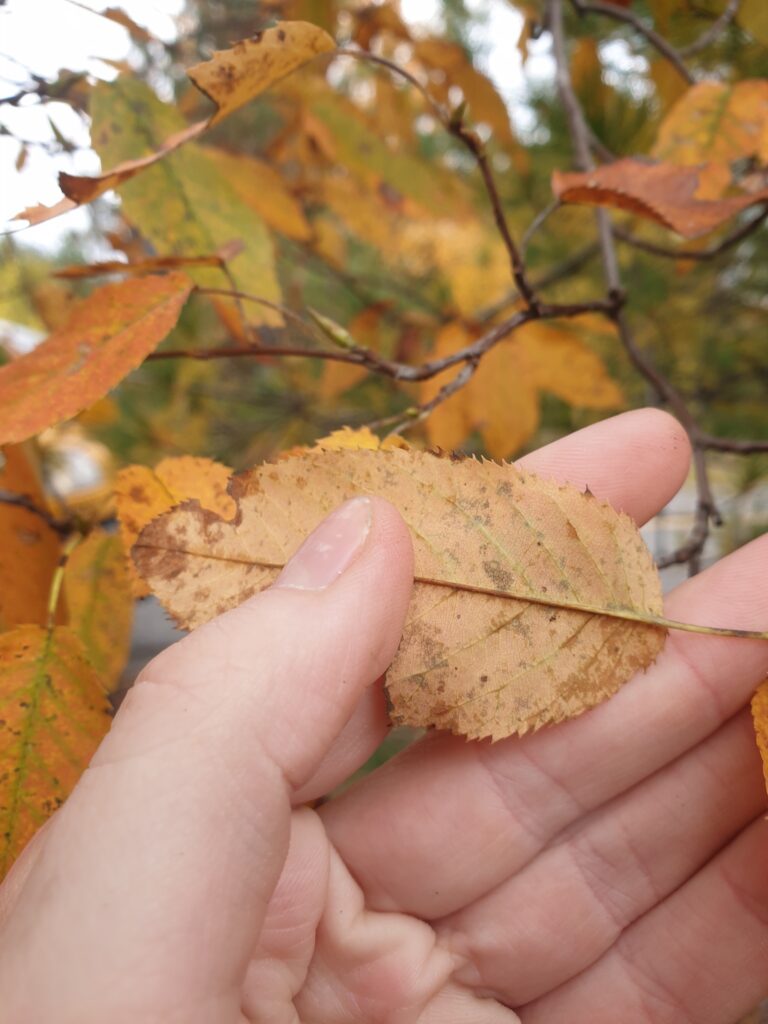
(359,231)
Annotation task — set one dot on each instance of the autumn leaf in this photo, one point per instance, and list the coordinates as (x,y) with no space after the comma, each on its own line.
(502,399)
(30,549)
(361,439)
(760,719)
(106,336)
(657,191)
(233,77)
(53,713)
(714,123)
(497,639)
(141,494)
(183,206)
(230,79)
(100,603)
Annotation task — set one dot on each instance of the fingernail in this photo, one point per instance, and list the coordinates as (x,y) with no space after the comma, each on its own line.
(329,549)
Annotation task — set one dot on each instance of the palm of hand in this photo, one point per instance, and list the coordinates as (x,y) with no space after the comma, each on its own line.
(607,870)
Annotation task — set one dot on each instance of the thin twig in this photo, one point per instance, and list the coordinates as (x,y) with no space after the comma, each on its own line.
(536,223)
(710,35)
(742,232)
(653,37)
(60,526)
(454,125)
(556,273)
(730,444)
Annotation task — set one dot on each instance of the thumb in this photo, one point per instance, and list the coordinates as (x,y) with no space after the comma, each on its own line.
(171,843)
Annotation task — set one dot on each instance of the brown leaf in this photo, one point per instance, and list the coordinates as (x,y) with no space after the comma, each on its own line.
(142,494)
(53,713)
(518,580)
(657,191)
(107,336)
(147,265)
(760,718)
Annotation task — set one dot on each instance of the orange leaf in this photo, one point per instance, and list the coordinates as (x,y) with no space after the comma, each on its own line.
(660,192)
(53,713)
(142,494)
(107,336)
(30,549)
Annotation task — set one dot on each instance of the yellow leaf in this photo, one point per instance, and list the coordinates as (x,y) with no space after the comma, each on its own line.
(359,439)
(141,494)
(30,549)
(53,713)
(100,603)
(473,260)
(760,718)
(716,122)
(184,206)
(501,400)
(233,77)
(520,583)
(262,189)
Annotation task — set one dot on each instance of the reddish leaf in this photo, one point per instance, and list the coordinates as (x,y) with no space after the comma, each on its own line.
(657,191)
(107,336)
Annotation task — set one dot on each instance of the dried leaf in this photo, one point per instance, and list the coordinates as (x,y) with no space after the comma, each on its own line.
(100,603)
(760,718)
(53,713)
(519,580)
(107,336)
(30,549)
(233,77)
(502,399)
(142,493)
(657,191)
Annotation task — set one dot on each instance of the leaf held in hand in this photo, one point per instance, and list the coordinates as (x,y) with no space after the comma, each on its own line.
(519,581)
(142,494)
(106,336)
(53,713)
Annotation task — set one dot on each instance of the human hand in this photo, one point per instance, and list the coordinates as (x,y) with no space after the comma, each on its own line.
(610,869)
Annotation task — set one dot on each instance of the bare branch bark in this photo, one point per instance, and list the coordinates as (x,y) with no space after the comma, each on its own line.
(702,254)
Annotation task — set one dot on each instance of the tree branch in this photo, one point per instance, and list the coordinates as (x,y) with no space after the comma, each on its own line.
(710,35)
(24,501)
(653,37)
(729,444)
(702,254)
(454,125)
(706,509)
